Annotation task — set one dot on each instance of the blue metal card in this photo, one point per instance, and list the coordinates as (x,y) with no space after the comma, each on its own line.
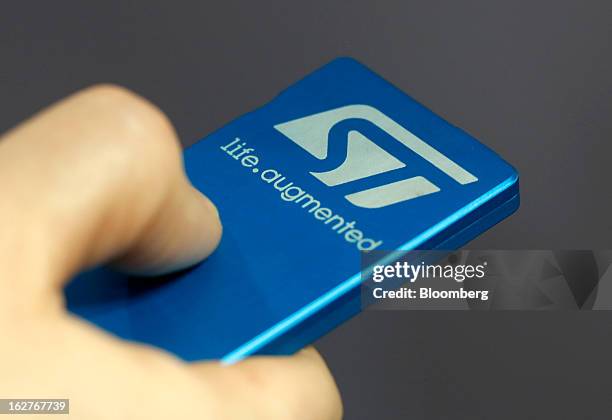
(340,162)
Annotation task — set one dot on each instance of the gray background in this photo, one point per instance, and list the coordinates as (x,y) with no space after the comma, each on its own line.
(531,79)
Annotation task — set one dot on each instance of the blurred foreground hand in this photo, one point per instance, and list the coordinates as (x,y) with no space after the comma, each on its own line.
(98,177)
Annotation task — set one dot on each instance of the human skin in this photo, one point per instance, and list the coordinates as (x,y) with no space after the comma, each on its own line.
(98,177)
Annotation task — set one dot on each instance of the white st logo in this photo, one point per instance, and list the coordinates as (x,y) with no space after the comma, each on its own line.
(364,158)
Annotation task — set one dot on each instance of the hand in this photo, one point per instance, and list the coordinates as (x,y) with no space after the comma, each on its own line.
(98,177)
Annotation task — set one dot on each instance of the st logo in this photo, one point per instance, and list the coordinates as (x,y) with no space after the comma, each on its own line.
(364,158)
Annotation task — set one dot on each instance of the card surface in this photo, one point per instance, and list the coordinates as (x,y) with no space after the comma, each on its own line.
(340,163)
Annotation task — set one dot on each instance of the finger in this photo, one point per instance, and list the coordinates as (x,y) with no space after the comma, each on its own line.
(98,176)
(295,387)
(109,379)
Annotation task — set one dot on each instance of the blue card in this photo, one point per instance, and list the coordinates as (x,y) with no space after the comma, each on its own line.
(340,163)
